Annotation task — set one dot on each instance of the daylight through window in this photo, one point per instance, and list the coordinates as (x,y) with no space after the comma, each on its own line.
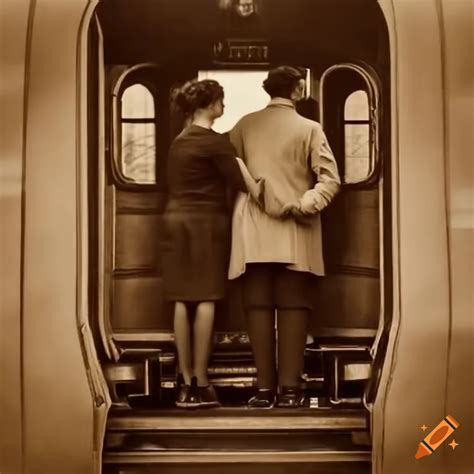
(356,137)
(138,157)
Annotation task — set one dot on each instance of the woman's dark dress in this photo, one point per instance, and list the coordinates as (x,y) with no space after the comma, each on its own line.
(197,220)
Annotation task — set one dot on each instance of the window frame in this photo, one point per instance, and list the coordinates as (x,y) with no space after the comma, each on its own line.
(131,76)
(373,95)
(366,122)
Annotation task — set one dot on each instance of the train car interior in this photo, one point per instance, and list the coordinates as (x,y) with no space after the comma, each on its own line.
(139,51)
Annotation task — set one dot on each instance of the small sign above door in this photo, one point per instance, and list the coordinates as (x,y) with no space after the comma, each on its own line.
(241,51)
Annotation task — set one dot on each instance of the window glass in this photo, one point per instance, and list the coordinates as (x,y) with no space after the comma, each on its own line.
(357,152)
(137,103)
(138,152)
(138,147)
(356,137)
(357,106)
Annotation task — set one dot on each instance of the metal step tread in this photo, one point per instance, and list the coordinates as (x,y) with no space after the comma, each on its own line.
(238,419)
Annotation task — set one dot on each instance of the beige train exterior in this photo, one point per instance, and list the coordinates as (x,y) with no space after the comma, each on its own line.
(50,421)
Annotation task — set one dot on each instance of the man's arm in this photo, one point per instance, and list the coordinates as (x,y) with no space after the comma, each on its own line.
(324,166)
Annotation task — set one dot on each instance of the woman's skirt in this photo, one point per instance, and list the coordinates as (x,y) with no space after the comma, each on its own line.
(195,252)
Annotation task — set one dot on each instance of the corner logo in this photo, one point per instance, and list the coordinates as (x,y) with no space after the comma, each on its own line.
(437,437)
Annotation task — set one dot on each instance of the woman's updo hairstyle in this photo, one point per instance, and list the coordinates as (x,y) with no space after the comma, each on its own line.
(198,95)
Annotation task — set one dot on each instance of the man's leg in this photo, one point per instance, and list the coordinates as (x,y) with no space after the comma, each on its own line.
(292,291)
(260,318)
(292,333)
(261,329)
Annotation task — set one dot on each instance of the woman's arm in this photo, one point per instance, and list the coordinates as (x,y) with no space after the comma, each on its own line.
(255,188)
(236,173)
(223,155)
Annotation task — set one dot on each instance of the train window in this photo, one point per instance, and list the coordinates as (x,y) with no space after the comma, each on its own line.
(137,161)
(349,96)
(356,137)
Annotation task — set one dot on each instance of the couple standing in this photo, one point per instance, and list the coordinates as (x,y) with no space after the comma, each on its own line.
(274,241)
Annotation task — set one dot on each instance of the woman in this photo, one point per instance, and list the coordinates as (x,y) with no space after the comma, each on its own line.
(196,248)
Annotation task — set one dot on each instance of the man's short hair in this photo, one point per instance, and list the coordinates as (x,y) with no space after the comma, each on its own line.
(281,81)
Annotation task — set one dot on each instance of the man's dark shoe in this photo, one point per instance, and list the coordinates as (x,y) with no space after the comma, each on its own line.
(291,397)
(263,399)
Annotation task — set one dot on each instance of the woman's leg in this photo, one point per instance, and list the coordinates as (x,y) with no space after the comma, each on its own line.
(261,329)
(182,337)
(292,333)
(202,338)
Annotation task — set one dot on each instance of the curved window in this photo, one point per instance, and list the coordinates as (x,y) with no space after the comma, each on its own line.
(356,137)
(349,114)
(138,131)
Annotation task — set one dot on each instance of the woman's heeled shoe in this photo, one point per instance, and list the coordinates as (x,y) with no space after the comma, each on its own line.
(207,397)
(187,396)
(262,399)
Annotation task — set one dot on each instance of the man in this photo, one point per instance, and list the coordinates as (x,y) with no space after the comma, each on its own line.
(278,250)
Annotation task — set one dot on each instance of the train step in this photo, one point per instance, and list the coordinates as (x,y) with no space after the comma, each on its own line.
(238,419)
(180,441)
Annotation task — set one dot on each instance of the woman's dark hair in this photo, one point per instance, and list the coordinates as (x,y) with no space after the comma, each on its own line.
(198,95)
(281,81)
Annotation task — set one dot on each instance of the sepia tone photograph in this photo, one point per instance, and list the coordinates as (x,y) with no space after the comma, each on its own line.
(236,236)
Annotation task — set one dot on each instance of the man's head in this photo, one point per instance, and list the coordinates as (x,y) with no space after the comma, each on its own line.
(287,82)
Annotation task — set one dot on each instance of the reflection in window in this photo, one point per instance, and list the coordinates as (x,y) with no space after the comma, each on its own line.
(138,155)
(357,137)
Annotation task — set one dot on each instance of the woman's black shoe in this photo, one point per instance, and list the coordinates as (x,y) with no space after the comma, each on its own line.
(207,397)
(263,399)
(186,396)
(291,397)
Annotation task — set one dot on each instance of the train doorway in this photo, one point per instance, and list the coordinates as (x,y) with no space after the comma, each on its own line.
(138,56)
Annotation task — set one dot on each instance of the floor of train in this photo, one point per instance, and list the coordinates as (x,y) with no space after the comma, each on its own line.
(241,441)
